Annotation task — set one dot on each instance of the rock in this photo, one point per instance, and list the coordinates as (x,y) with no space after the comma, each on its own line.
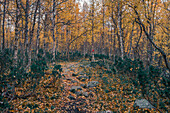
(73,66)
(78,93)
(66,70)
(81,73)
(82,78)
(82,93)
(142,103)
(85,94)
(75,88)
(108,111)
(74,74)
(92,84)
(71,97)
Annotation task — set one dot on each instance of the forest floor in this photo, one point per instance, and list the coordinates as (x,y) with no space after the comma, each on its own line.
(81,88)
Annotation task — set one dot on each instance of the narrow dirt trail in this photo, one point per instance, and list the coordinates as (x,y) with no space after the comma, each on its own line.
(73,98)
(82,88)
(88,89)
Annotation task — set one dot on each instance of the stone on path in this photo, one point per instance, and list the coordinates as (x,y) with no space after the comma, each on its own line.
(142,103)
(82,93)
(66,70)
(92,84)
(75,88)
(108,111)
(81,73)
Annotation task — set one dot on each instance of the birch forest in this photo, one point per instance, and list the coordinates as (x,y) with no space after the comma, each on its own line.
(84,56)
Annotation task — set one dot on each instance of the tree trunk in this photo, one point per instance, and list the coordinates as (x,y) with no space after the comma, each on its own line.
(53,30)
(1,40)
(149,37)
(38,31)
(120,30)
(103,34)
(45,34)
(56,38)
(26,32)
(3,26)
(16,36)
(31,36)
(92,49)
(84,49)
(131,36)
(68,52)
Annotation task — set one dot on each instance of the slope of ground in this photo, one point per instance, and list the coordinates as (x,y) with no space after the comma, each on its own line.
(81,88)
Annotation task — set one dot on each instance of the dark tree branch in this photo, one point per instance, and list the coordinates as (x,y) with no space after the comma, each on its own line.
(138,20)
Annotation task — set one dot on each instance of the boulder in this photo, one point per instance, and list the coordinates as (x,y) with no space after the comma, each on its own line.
(142,103)
(75,88)
(73,66)
(82,93)
(66,70)
(108,111)
(85,94)
(81,73)
(92,84)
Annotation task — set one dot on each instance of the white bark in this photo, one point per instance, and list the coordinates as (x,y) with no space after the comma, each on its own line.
(120,30)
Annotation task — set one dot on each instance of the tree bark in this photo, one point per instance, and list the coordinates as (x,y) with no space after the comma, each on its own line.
(16,36)
(31,36)
(53,30)
(131,36)
(149,37)
(1,40)
(120,30)
(3,25)
(103,34)
(26,24)
(92,48)
(38,31)
(26,32)
(45,34)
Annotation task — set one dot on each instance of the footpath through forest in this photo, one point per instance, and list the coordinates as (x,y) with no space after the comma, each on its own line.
(83,88)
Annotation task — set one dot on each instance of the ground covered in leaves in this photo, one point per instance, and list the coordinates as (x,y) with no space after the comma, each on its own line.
(81,88)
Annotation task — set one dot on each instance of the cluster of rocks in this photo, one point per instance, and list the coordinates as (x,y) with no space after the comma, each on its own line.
(81,76)
(78,90)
